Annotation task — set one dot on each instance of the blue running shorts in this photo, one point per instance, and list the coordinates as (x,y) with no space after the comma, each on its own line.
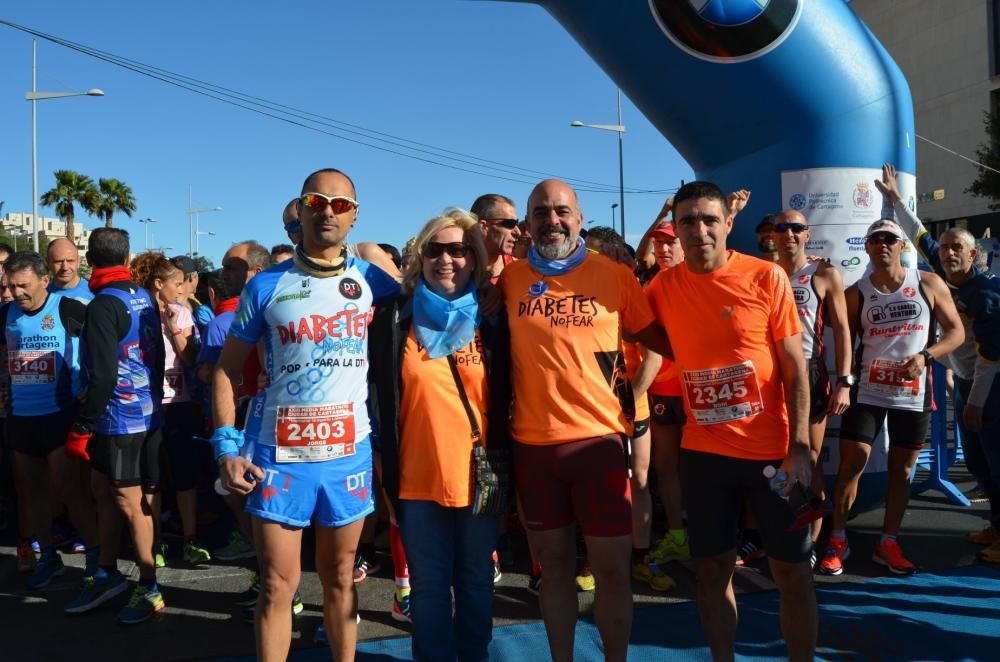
(329,493)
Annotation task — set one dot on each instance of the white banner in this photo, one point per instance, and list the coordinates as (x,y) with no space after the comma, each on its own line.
(840,204)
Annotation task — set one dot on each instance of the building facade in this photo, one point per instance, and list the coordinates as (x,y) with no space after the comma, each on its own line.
(948,51)
(18,225)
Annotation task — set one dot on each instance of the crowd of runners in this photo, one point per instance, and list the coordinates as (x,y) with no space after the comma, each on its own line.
(498,368)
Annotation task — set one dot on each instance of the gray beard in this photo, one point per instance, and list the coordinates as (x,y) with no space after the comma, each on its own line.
(556,251)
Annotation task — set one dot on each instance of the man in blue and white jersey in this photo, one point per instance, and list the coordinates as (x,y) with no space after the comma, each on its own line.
(63,259)
(309,428)
(41,344)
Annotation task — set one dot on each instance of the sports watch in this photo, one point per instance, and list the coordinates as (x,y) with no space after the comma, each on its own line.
(846,380)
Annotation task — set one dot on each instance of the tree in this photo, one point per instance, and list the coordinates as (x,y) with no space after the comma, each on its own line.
(203,264)
(71,187)
(114,196)
(987,184)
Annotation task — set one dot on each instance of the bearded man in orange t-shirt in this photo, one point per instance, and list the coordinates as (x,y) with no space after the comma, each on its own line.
(737,340)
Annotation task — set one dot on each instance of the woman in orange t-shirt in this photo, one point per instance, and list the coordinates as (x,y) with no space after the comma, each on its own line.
(448,324)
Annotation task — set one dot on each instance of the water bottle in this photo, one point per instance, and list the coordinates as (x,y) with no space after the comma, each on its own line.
(246,452)
(777,480)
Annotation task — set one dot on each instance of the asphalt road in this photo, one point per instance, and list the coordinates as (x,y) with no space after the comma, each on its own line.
(201,622)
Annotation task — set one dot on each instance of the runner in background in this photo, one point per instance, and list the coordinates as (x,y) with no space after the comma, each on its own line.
(819,297)
(497,216)
(893,312)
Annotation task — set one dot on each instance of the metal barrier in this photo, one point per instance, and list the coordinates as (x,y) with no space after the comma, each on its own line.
(936,459)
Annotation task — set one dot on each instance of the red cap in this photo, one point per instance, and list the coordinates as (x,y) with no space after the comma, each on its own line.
(664,230)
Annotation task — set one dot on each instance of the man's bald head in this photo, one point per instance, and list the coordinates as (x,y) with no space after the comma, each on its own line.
(63,258)
(790,216)
(554,219)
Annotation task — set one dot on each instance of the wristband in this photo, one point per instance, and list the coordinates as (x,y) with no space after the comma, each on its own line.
(227,440)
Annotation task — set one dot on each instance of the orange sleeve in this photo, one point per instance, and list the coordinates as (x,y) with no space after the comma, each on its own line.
(784,320)
(635,313)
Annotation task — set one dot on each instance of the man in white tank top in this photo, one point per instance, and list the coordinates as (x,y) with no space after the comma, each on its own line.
(893,312)
(819,297)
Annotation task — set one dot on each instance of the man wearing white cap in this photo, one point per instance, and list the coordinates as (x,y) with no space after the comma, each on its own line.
(893,311)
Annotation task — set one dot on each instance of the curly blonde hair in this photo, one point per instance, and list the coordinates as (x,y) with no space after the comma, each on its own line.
(150,266)
(472,237)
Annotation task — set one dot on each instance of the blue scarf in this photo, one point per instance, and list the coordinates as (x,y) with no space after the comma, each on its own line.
(548,267)
(444,326)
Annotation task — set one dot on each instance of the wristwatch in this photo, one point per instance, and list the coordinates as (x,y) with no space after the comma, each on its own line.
(846,380)
(928,357)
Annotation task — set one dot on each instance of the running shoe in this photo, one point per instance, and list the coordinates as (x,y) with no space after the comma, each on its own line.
(585,580)
(35,547)
(670,549)
(25,558)
(78,547)
(535,583)
(991,554)
(248,598)
(364,566)
(496,569)
(160,555)
(297,604)
(195,554)
(751,547)
(987,536)
(48,568)
(837,551)
(812,559)
(238,547)
(319,636)
(97,590)
(652,575)
(890,555)
(977,495)
(401,608)
(142,605)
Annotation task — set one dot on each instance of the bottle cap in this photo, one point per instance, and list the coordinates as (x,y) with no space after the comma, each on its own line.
(770,472)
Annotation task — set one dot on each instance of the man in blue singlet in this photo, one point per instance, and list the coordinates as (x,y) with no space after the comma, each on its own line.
(41,343)
(63,259)
(307,456)
(118,424)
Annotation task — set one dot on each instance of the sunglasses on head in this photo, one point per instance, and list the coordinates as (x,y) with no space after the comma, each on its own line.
(796,228)
(506,223)
(887,239)
(340,204)
(455,249)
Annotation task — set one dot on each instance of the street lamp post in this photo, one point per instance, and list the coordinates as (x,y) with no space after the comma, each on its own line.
(199,233)
(192,232)
(146,222)
(613,207)
(34,96)
(620,130)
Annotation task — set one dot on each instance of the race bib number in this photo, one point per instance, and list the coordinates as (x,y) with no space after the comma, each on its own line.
(888,377)
(720,395)
(173,383)
(31,367)
(314,434)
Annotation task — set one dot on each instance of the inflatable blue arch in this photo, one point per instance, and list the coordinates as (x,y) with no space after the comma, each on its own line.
(793,99)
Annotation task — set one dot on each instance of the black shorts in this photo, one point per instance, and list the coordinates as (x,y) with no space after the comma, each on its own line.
(640,428)
(667,409)
(819,390)
(907,429)
(714,489)
(38,436)
(128,460)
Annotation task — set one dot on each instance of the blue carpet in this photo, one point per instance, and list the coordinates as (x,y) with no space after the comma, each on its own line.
(951,615)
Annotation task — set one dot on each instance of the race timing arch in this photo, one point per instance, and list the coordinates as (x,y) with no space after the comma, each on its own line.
(795,100)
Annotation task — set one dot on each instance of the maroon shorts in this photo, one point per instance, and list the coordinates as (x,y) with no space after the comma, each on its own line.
(582,481)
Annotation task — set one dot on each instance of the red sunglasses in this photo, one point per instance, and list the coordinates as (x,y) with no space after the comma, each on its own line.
(340,204)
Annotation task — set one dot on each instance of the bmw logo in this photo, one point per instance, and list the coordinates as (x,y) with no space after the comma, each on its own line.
(797,202)
(726,31)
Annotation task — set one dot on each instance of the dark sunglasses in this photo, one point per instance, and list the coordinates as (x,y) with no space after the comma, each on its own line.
(455,249)
(796,228)
(505,223)
(340,204)
(887,239)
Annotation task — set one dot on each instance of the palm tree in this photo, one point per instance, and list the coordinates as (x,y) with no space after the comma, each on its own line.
(71,187)
(115,195)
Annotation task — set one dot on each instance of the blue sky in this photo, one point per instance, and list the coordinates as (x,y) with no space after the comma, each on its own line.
(496,80)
